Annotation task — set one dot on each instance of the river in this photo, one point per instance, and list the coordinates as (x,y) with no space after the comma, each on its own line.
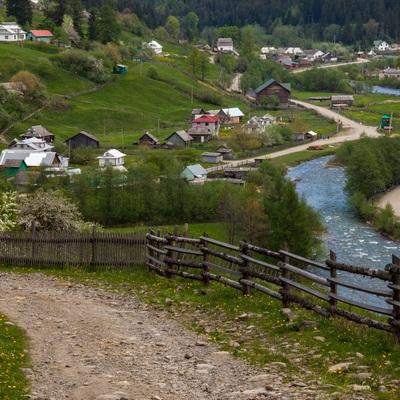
(385,90)
(353,241)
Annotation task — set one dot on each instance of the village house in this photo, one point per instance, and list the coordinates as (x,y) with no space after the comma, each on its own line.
(389,73)
(210,122)
(83,139)
(258,124)
(196,112)
(31,144)
(156,47)
(38,132)
(272,88)
(225,151)
(44,36)
(212,158)
(113,158)
(194,173)
(231,115)
(200,134)
(381,45)
(148,140)
(225,45)
(31,159)
(179,139)
(11,32)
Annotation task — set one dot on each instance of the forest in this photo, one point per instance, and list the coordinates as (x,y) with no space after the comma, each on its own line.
(361,20)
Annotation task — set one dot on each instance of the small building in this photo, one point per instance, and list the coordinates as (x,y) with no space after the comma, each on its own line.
(156,47)
(274,88)
(200,134)
(44,36)
(340,102)
(148,140)
(194,172)
(31,144)
(120,69)
(225,151)
(38,132)
(385,121)
(112,158)
(390,73)
(83,139)
(11,32)
(381,45)
(31,159)
(209,122)
(212,158)
(179,139)
(12,167)
(231,115)
(225,45)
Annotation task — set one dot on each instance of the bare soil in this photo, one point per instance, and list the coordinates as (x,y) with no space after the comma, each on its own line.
(91,344)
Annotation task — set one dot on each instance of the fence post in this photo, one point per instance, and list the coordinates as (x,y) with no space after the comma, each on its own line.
(246,264)
(33,242)
(206,269)
(285,273)
(395,272)
(93,260)
(333,285)
(170,255)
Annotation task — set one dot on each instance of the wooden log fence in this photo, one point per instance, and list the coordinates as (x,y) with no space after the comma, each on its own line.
(285,276)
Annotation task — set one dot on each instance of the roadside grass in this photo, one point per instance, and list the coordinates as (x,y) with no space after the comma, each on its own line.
(253,328)
(13,356)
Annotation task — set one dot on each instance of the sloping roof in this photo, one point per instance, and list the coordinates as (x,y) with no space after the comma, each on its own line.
(13,163)
(183,135)
(37,131)
(11,27)
(206,118)
(197,170)
(211,154)
(233,112)
(30,144)
(112,153)
(89,135)
(41,33)
(286,86)
(199,130)
(149,135)
(155,45)
(32,159)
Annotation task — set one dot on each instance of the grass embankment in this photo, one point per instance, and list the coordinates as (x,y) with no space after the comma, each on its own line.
(254,329)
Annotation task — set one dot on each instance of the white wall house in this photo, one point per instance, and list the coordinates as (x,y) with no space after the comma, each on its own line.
(11,32)
(225,44)
(156,47)
(112,157)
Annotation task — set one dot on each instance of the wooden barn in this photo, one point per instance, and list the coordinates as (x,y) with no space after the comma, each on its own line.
(83,139)
(340,102)
(273,88)
(148,140)
(179,139)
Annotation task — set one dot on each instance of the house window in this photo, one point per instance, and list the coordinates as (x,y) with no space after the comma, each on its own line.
(6,37)
(206,123)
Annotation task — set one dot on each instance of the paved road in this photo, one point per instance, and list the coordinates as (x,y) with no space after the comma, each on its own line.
(351,130)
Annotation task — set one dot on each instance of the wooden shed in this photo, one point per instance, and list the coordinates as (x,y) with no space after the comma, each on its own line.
(212,158)
(340,102)
(83,139)
(148,140)
(274,88)
(179,139)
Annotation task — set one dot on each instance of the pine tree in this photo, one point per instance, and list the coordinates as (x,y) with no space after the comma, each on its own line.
(21,10)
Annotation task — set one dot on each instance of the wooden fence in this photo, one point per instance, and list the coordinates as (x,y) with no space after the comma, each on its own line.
(282,275)
(59,249)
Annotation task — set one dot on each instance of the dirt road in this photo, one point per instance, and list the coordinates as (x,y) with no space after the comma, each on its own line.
(94,345)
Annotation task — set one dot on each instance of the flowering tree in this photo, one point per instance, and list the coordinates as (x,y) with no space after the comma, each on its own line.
(8,211)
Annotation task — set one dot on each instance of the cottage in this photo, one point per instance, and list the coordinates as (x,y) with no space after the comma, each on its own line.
(31,144)
(179,139)
(83,139)
(38,132)
(148,140)
(225,45)
(212,158)
(225,151)
(112,158)
(194,173)
(11,32)
(231,115)
(208,121)
(381,45)
(390,73)
(31,159)
(340,102)
(273,88)
(44,36)
(200,134)
(156,47)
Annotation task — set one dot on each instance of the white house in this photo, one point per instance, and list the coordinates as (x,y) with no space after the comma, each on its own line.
(381,45)
(11,32)
(156,47)
(225,44)
(32,159)
(112,157)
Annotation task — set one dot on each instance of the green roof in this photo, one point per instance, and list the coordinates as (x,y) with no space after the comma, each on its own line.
(287,86)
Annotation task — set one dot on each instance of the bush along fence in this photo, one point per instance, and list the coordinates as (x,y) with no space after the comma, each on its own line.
(60,249)
(320,287)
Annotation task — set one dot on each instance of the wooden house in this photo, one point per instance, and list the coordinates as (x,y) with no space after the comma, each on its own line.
(148,140)
(31,144)
(38,132)
(83,139)
(200,134)
(194,172)
(44,36)
(340,102)
(11,32)
(225,151)
(231,115)
(273,88)
(179,139)
(212,158)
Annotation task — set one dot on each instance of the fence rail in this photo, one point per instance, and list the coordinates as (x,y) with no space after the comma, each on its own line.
(285,276)
(96,249)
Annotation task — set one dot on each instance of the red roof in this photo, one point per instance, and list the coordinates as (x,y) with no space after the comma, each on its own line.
(41,33)
(206,118)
